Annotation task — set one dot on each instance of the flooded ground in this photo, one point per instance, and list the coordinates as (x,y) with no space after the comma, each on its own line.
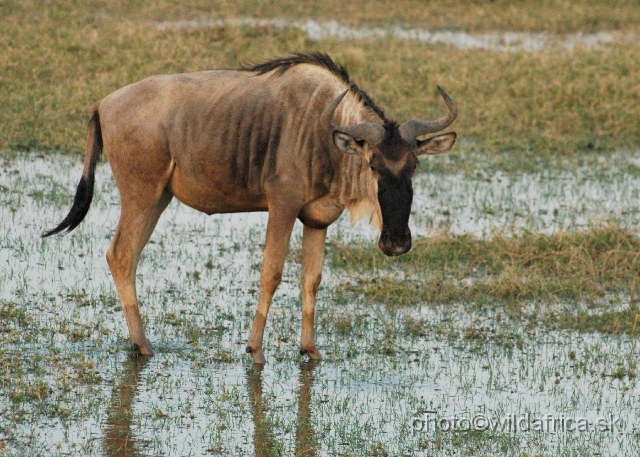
(542,202)
(71,387)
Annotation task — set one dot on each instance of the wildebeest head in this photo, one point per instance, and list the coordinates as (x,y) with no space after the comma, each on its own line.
(393,153)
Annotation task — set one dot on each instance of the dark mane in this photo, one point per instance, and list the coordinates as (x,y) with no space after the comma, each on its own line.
(320,59)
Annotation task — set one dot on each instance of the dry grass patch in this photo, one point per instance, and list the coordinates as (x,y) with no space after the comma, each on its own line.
(559,16)
(565,267)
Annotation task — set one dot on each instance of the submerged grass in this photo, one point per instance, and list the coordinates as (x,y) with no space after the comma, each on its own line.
(69,386)
(622,322)
(57,60)
(563,267)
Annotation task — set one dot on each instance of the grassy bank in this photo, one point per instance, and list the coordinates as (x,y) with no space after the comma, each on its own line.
(57,61)
(515,271)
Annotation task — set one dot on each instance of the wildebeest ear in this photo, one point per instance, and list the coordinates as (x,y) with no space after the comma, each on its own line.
(347,144)
(437,144)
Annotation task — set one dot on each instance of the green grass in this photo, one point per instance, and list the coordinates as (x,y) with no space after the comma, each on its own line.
(516,109)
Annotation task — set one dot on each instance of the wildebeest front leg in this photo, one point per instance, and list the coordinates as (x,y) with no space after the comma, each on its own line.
(312,255)
(275,250)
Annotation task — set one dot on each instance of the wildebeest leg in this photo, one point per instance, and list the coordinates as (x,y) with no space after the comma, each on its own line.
(281,220)
(137,221)
(312,254)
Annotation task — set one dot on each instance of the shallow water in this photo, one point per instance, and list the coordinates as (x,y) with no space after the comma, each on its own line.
(198,281)
(541,202)
(495,42)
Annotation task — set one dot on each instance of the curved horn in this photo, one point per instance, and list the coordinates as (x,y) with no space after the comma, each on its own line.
(370,132)
(412,129)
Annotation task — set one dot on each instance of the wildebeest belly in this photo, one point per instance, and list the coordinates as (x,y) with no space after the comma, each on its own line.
(214,193)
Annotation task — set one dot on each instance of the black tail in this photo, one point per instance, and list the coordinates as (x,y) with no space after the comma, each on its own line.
(84,193)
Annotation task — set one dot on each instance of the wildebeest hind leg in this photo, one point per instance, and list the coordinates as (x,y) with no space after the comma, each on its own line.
(279,228)
(137,221)
(312,254)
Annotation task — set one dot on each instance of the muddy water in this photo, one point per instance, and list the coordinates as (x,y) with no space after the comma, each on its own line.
(198,281)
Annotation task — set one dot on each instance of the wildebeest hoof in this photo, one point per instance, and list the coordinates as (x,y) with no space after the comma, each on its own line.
(141,349)
(256,354)
(312,352)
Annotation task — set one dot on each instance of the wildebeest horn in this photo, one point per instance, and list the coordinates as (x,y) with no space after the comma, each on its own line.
(370,132)
(412,129)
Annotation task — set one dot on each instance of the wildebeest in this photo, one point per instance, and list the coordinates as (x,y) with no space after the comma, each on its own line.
(292,136)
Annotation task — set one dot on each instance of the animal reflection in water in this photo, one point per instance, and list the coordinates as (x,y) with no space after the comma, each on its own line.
(264,441)
(118,438)
(120,441)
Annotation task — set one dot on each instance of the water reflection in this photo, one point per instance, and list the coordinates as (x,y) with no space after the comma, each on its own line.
(264,440)
(306,444)
(119,441)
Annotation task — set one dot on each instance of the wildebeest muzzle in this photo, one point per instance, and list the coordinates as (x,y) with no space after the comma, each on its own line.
(395,195)
(394,244)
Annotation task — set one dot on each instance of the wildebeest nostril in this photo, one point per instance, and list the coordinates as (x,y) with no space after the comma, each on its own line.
(393,249)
